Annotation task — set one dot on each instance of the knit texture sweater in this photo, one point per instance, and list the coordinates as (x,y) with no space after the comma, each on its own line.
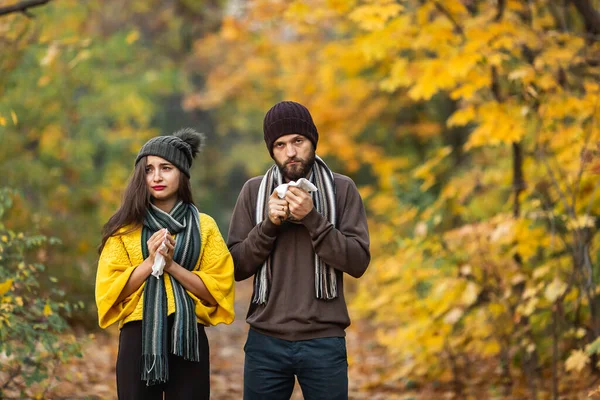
(292,311)
(123,253)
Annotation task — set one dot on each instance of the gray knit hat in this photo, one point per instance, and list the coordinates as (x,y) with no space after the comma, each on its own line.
(285,118)
(180,148)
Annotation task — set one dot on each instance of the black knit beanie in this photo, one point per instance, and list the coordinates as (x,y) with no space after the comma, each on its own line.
(288,117)
(179,148)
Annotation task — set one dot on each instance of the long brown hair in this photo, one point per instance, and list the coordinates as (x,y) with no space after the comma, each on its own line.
(136,200)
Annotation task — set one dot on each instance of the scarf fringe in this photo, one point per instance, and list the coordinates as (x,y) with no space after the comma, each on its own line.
(188,348)
(155,369)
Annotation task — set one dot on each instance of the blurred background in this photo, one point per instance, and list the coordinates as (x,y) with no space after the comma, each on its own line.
(470,126)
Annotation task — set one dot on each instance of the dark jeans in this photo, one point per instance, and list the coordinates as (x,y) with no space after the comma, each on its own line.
(270,366)
(187,379)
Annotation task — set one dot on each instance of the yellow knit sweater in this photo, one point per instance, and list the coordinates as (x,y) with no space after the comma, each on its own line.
(123,253)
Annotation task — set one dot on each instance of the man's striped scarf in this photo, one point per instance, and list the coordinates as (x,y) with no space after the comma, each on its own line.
(324,202)
(183,220)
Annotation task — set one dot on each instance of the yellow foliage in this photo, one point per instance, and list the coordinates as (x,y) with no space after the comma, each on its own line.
(5,286)
(372,17)
(434,76)
(132,36)
(359,64)
(577,361)
(554,290)
(499,123)
(581,222)
(47,310)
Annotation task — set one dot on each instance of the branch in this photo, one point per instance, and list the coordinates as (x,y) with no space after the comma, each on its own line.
(448,15)
(590,15)
(500,10)
(22,7)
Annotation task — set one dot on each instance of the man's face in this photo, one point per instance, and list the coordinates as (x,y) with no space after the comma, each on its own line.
(294,154)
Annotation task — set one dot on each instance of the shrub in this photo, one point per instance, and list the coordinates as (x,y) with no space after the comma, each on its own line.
(34,335)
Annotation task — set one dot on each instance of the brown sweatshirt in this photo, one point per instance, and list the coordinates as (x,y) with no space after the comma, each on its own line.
(292,311)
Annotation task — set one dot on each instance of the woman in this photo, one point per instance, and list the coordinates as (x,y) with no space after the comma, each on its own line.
(162,345)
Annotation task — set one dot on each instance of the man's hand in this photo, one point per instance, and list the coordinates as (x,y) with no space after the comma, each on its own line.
(300,202)
(278,209)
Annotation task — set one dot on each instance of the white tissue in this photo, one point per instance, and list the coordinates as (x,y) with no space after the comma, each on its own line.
(159,259)
(301,183)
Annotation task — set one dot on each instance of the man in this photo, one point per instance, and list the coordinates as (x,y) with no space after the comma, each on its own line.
(297,248)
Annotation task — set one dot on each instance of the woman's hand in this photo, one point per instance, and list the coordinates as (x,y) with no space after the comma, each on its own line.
(168,252)
(154,242)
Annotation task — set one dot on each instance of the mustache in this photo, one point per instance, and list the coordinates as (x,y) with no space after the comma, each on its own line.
(293,160)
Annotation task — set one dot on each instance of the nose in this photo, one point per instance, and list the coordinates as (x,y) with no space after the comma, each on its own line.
(290,150)
(156,176)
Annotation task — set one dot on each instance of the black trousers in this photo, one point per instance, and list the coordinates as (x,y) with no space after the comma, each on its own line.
(187,379)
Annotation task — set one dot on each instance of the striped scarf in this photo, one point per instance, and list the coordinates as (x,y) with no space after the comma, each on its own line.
(183,220)
(324,202)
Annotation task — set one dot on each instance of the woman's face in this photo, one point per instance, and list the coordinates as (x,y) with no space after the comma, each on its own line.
(162,178)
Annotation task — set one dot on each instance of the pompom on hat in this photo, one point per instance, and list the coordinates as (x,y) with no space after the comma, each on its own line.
(180,148)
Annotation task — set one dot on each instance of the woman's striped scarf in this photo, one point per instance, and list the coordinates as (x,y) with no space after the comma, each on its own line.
(183,220)
(324,202)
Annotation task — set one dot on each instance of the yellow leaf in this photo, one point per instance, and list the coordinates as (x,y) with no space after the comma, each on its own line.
(462,117)
(374,17)
(47,310)
(555,289)
(453,316)
(582,221)
(491,348)
(43,81)
(577,361)
(529,307)
(5,286)
(2,121)
(470,294)
(132,37)
(14,117)
(5,238)
(229,29)
(540,272)
(19,301)
(50,55)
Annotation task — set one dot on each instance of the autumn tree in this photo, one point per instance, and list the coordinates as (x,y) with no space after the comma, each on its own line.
(472,127)
(82,86)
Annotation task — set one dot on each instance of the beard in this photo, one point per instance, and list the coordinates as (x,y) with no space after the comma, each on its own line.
(298,170)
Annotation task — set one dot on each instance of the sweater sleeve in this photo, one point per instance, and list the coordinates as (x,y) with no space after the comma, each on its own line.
(347,247)
(216,271)
(250,243)
(114,270)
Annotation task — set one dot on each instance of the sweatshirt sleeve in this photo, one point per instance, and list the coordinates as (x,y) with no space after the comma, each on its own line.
(249,243)
(114,270)
(216,271)
(347,247)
